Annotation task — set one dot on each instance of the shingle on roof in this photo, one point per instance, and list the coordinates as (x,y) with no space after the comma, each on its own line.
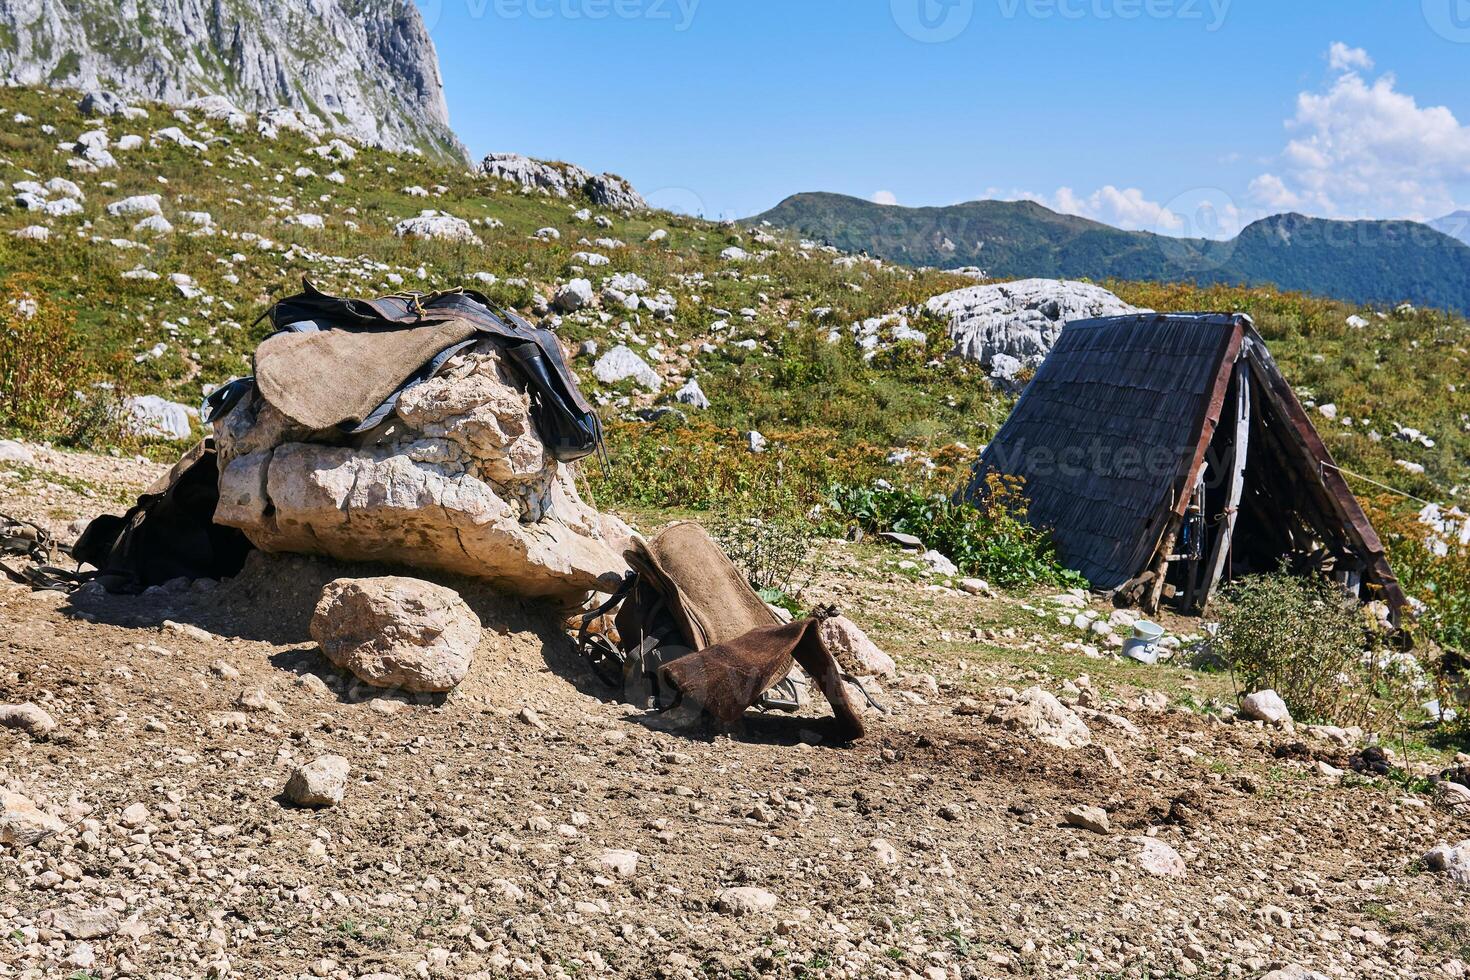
(1105,429)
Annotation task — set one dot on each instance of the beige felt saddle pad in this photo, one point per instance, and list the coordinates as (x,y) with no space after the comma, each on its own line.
(323,380)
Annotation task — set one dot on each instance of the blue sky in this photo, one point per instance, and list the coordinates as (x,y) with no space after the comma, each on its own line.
(1182,116)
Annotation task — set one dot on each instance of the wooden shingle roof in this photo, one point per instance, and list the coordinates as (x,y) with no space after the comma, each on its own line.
(1107,428)
(1112,433)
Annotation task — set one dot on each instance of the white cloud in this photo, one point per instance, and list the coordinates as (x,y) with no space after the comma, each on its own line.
(1201,213)
(1271,191)
(1367,149)
(1343,58)
(885,197)
(1125,208)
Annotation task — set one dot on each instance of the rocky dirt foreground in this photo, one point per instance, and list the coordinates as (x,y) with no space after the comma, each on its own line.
(527,825)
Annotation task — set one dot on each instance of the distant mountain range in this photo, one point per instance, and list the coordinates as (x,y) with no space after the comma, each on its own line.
(1384,262)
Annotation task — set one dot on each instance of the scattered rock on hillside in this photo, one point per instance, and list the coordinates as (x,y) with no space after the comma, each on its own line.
(397,632)
(692,394)
(437,226)
(15,452)
(80,923)
(562,180)
(1038,713)
(1090,818)
(22,822)
(1265,706)
(612,191)
(139,204)
(154,224)
(745,901)
(620,364)
(854,652)
(463,484)
(1019,320)
(153,417)
(1158,858)
(573,296)
(976,586)
(29,718)
(100,102)
(622,863)
(319,783)
(1452,862)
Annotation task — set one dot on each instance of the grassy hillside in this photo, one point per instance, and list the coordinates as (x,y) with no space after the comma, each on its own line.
(1386,262)
(104,310)
(754,332)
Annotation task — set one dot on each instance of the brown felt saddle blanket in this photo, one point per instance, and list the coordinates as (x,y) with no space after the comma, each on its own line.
(739,650)
(333,378)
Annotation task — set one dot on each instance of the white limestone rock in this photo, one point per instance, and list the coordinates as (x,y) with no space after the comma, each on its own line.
(1038,713)
(462,484)
(1265,706)
(320,783)
(853,650)
(136,206)
(692,394)
(375,75)
(396,632)
(573,296)
(1452,862)
(437,226)
(22,822)
(154,417)
(620,364)
(1020,320)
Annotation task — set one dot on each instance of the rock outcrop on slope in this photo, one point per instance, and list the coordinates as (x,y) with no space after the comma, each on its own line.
(564,179)
(1011,325)
(459,482)
(367,68)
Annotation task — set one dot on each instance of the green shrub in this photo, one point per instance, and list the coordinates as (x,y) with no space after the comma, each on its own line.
(991,540)
(40,361)
(774,553)
(1312,643)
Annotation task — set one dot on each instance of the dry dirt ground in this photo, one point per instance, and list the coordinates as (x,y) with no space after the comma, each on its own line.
(473,843)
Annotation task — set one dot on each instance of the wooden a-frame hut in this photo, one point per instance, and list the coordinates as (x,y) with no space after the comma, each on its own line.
(1168,450)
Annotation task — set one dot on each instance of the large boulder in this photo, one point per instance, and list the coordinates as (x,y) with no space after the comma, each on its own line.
(612,191)
(559,180)
(437,226)
(1019,320)
(153,417)
(397,632)
(562,180)
(102,103)
(460,482)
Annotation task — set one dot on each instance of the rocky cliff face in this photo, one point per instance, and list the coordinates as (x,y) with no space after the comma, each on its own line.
(367,68)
